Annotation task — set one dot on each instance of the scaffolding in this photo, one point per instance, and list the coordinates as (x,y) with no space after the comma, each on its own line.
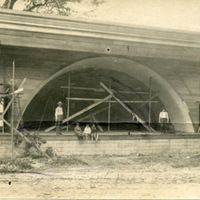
(16,113)
(110,100)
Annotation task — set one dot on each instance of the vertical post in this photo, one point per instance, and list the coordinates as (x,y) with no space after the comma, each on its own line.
(12,108)
(109,104)
(3,83)
(149,117)
(68,100)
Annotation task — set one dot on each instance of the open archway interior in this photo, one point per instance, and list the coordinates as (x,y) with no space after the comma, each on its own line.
(85,90)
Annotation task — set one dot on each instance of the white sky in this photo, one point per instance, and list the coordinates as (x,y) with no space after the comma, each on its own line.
(173,14)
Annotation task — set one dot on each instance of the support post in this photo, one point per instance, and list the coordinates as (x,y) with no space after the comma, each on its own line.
(13,108)
(109,104)
(149,117)
(68,100)
(4,81)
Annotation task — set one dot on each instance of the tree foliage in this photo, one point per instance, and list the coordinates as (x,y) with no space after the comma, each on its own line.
(59,7)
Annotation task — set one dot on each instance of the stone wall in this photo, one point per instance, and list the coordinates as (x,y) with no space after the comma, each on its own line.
(120,145)
(125,147)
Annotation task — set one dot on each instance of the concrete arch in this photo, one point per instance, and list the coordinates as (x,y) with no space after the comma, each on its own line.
(177,109)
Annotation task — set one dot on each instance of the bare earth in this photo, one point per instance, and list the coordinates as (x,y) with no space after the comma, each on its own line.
(107,177)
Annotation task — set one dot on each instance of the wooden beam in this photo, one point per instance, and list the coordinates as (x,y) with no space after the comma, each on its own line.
(26,139)
(95,113)
(109,104)
(12,120)
(112,101)
(149,116)
(101,90)
(128,109)
(81,111)
(152,96)
(68,99)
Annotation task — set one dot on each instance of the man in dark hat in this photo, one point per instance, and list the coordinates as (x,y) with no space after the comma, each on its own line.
(59,118)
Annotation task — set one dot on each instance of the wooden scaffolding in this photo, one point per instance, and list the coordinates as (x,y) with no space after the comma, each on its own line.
(110,100)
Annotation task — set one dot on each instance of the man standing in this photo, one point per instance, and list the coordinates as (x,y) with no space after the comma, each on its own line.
(163,120)
(59,118)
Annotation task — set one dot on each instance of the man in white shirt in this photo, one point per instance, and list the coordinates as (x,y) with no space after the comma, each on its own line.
(163,120)
(87,131)
(59,118)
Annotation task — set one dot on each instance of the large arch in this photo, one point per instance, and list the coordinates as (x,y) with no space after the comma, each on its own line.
(177,109)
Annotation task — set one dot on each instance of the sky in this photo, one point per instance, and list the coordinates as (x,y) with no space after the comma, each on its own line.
(170,14)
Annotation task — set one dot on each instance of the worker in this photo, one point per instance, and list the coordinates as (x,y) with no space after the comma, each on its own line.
(163,120)
(78,132)
(87,131)
(59,118)
(94,134)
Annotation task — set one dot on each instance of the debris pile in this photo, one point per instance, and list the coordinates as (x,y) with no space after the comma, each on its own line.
(32,148)
(66,161)
(15,165)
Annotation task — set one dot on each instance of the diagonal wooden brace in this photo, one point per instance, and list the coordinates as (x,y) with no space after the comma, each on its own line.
(26,139)
(128,109)
(81,112)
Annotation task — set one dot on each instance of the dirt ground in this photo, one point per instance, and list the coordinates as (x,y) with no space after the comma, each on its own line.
(106,177)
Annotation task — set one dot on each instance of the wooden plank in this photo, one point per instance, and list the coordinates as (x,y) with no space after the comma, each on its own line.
(27,140)
(101,90)
(81,112)
(112,101)
(128,109)
(95,113)
(149,115)
(68,99)
(109,103)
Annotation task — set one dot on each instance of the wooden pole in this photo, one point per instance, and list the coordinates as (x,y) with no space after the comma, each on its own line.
(68,100)
(12,108)
(27,140)
(101,90)
(4,82)
(95,113)
(109,103)
(149,117)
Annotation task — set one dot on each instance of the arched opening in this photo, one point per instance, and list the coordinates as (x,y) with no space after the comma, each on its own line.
(125,71)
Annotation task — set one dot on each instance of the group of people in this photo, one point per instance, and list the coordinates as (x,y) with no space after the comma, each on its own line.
(88,133)
(92,132)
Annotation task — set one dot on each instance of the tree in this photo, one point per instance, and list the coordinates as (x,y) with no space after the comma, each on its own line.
(59,7)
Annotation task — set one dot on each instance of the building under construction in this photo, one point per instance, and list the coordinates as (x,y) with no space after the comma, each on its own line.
(117,76)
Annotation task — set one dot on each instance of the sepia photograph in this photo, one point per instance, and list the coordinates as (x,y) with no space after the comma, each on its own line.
(99,99)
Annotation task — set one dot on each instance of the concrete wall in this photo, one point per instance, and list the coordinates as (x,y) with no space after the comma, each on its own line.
(125,147)
(120,145)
